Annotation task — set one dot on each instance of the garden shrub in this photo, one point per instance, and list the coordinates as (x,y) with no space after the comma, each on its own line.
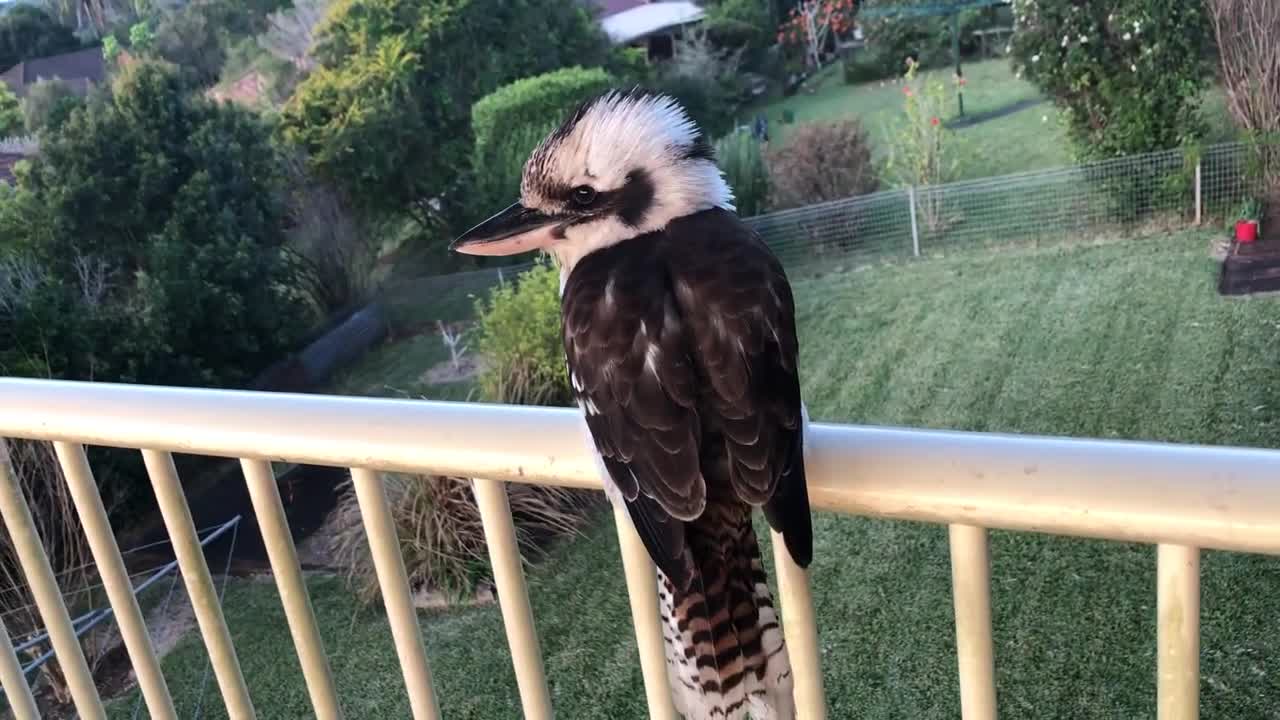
(440,532)
(518,335)
(739,156)
(923,152)
(1128,73)
(11,121)
(821,162)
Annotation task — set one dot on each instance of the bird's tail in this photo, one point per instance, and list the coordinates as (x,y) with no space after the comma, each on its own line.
(725,651)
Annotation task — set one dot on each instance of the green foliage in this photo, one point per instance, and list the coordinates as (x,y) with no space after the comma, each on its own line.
(519,336)
(11,120)
(745,24)
(509,123)
(739,156)
(197,35)
(923,150)
(110,48)
(705,79)
(48,105)
(152,215)
(891,40)
(141,37)
(1129,73)
(387,114)
(27,31)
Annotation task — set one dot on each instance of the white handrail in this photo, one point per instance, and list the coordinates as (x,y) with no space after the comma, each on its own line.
(1209,497)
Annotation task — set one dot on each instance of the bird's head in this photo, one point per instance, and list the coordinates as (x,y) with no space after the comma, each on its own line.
(622,165)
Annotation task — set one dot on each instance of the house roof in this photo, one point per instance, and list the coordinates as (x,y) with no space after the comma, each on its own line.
(79,69)
(649,18)
(613,7)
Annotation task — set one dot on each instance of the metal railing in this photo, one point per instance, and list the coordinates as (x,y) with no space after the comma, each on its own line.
(1181,498)
(1130,194)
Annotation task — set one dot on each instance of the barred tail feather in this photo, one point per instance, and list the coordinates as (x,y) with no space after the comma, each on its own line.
(726,657)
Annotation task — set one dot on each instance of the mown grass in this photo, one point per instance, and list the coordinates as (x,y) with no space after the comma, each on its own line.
(1035,130)
(1125,339)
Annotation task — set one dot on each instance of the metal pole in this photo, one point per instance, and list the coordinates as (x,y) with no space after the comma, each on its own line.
(44,590)
(388,563)
(265,495)
(195,575)
(513,596)
(955,52)
(16,690)
(800,628)
(1178,633)
(115,578)
(642,588)
(971,588)
(915,230)
(1199,205)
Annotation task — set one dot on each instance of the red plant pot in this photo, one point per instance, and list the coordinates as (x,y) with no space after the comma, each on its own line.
(1246,231)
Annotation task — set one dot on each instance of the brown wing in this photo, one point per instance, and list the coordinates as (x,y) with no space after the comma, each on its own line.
(681,337)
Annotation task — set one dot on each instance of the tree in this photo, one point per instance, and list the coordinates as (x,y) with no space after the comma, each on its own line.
(1247,33)
(291,32)
(812,24)
(153,217)
(387,112)
(29,32)
(1128,72)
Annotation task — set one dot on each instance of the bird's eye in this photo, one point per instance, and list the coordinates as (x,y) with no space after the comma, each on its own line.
(584,195)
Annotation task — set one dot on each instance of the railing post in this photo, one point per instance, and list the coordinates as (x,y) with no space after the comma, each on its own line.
(513,596)
(388,563)
(115,579)
(44,590)
(195,575)
(1178,632)
(800,629)
(915,229)
(1199,195)
(971,589)
(16,690)
(265,496)
(642,588)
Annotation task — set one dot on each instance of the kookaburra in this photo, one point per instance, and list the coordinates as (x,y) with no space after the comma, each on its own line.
(680,335)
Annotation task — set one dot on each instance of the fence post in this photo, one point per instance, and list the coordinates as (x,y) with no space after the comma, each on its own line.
(1199,196)
(915,231)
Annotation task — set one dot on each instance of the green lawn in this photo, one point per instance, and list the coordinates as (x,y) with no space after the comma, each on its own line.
(1126,339)
(1036,131)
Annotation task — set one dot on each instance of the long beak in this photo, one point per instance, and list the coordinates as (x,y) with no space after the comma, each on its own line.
(514,230)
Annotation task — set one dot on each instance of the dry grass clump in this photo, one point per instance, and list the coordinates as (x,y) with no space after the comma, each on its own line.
(441,535)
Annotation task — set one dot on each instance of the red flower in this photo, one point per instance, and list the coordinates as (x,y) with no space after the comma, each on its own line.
(963,82)
(933,121)
(906,91)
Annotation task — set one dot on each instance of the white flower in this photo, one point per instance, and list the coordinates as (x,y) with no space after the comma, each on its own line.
(1084,40)
(1044,118)
(1018,75)
(1065,39)
(1008,48)
(1128,36)
(1133,68)
(1111,17)
(1035,58)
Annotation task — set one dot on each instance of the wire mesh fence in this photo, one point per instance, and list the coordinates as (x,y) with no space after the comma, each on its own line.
(1128,195)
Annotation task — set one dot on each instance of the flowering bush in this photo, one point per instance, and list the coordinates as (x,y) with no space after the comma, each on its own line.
(923,151)
(811,23)
(1128,72)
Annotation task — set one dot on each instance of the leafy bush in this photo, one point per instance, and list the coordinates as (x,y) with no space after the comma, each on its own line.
(1128,72)
(440,532)
(519,336)
(27,31)
(388,112)
(48,105)
(510,121)
(739,156)
(12,123)
(705,79)
(821,162)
